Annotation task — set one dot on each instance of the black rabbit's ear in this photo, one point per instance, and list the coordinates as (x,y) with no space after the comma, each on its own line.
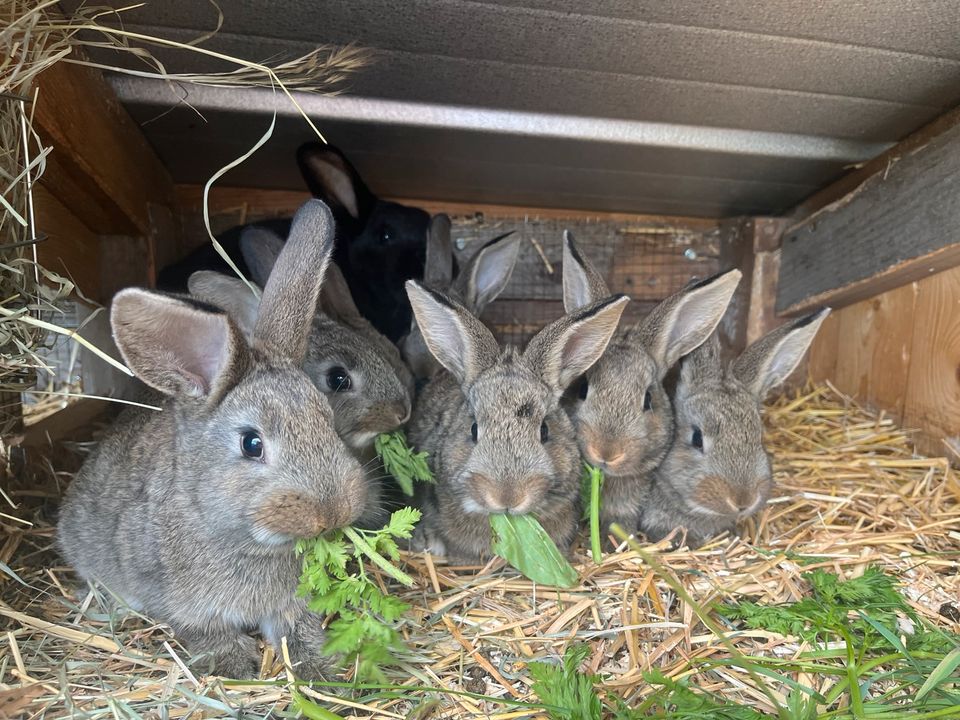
(332,178)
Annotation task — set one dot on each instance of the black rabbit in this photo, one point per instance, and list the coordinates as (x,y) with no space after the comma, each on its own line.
(379,244)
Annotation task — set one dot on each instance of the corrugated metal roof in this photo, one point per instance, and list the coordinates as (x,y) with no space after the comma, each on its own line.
(608,105)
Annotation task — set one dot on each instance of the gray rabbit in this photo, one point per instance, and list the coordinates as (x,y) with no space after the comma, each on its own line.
(717,471)
(476,286)
(620,409)
(357,368)
(497,437)
(190,514)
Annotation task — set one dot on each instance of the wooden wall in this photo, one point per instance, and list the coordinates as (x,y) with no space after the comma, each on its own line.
(900,352)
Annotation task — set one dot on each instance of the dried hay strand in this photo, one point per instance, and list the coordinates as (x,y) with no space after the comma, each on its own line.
(851,494)
(33,37)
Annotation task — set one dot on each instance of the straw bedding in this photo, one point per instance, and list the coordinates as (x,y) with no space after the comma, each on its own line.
(851,493)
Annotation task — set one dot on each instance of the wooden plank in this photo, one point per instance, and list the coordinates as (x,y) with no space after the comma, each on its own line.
(102,169)
(71,249)
(895,227)
(933,392)
(875,342)
(752,246)
(260,204)
(761,315)
(880,164)
(822,362)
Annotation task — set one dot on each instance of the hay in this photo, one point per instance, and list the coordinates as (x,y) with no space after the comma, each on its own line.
(851,493)
(33,37)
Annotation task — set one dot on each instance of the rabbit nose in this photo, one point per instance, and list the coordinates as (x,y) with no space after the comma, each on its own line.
(297,515)
(605,455)
(401,412)
(741,502)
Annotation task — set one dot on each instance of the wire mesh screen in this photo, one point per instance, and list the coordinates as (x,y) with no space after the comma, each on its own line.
(646,258)
(648,262)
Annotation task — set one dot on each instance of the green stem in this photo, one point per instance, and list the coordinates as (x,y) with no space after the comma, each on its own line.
(376,558)
(856,701)
(595,515)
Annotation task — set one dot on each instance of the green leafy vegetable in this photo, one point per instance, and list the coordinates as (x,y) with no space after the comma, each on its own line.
(401,461)
(567,692)
(522,542)
(834,603)
(590,493)
(334,581)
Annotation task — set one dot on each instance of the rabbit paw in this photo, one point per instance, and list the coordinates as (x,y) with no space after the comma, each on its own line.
(425,541)
(225,653)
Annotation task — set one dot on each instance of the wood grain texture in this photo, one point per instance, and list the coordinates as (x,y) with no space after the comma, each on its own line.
(824,352)
(876,338)
(101,168)
(933,393)
(898,226)
(900,352)
(72,249)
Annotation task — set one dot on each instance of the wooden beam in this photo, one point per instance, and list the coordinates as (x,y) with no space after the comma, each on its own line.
(752,245)
(255,203)
(71,249)
(102,168)
(896,226)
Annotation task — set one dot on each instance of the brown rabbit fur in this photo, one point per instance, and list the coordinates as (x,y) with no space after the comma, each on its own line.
(485,276)
(355,366)
(620,409)
(359,370)
(497,438)
(190,514)
(717,471)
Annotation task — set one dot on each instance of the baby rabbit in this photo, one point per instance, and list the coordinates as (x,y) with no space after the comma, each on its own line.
(620,409)
(358,369)
(476,286)
(190,514)
(492,424)
(717,471)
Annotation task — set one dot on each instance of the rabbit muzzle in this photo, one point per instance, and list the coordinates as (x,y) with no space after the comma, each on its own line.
(516,497)
(716,495)
(605,450)
(293,515)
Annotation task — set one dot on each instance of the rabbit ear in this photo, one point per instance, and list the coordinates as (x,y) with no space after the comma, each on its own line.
(177,346)
(336,300)
(685,319)
(290,297)
(771,359)
(702,363)
(332,178)
(229,293)
(260,248)
(566,348)
(489,271)
(582,283)
(438,268)
(459,342)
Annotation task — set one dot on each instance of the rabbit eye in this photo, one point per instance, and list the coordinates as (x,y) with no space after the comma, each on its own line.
(584,387)
(697,438)
(648,401)
(473,432)
(338,379)
(544,432)
(251,444)
(385,236)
